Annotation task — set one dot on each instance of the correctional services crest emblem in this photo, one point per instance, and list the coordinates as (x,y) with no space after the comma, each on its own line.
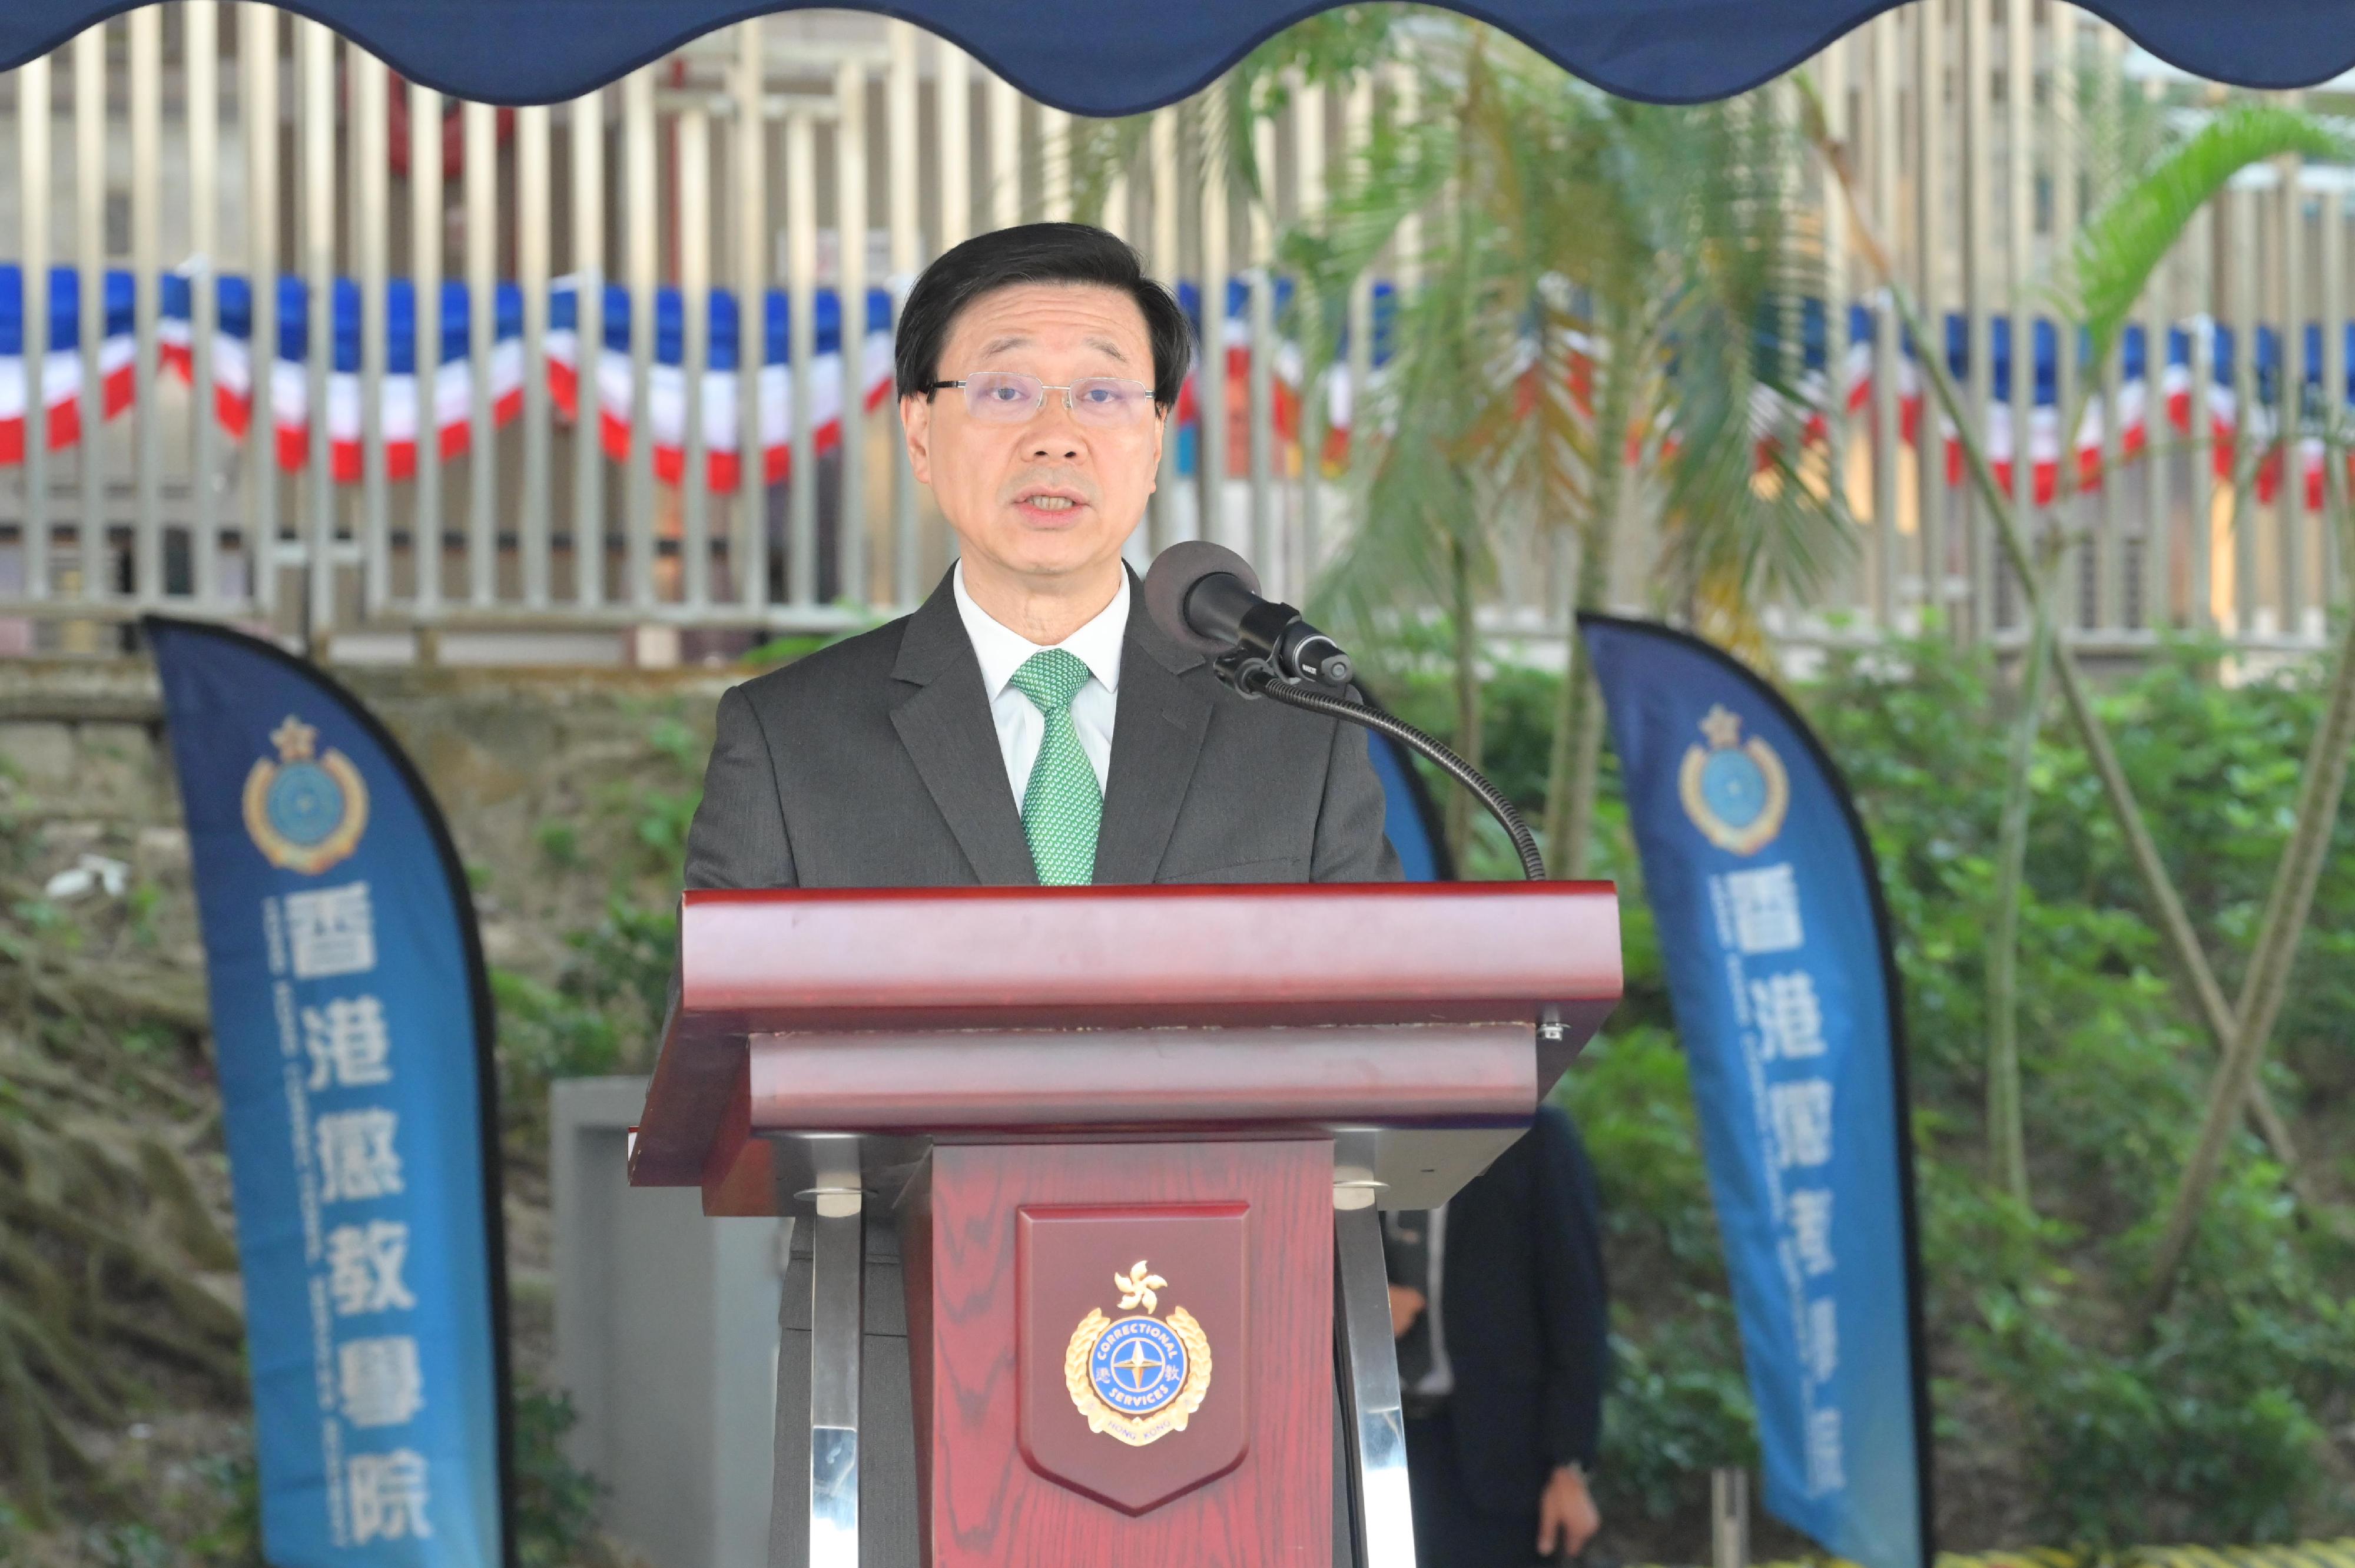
(305,811)
(1735,790)
(1138,1378)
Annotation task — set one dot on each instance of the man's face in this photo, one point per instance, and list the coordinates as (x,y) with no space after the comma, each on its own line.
(1050,498)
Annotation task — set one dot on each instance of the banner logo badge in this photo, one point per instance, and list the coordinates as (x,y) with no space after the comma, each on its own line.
(1138,1378)
(1735,790)
(304,812)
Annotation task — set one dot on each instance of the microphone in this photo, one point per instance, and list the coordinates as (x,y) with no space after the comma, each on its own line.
(1206,598)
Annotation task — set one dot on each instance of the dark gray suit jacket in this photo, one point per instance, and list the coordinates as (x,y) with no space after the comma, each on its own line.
(875,764)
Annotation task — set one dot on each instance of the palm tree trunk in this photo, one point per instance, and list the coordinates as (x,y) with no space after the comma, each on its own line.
(1467,695)
(2175,926)
(2006,1134)
(1577,750)
(2320,789)
(1585,784)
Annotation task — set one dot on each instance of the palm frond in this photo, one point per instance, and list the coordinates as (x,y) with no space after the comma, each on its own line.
(2114,253)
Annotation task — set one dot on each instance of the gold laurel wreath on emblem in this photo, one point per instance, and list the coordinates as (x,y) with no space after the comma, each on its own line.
(1137,1431)
(1724,729)
(296,742)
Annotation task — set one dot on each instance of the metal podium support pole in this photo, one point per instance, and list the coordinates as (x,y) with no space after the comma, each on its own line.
(838,1290)
(1381,1514)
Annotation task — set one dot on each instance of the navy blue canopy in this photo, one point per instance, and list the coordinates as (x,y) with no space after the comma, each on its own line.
(1122,57)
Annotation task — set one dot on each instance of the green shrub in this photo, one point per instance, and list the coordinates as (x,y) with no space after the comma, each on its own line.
(555,1501)
(2058,1405)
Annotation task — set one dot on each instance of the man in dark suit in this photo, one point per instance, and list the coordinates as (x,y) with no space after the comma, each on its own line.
(1498,1301)
(1028,723)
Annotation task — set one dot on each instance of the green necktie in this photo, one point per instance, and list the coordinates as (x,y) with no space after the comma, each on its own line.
(1062,805)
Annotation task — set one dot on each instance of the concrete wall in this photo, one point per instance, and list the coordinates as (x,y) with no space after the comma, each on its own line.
(665,1339)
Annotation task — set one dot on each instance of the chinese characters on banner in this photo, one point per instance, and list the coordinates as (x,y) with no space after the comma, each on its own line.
(1762,933)
(1768,908)
(351,1024)
(354,1261)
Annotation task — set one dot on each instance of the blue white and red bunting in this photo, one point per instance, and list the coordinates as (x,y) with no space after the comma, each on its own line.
(407,409)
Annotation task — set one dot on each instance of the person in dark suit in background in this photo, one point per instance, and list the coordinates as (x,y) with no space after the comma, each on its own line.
(1501,1310)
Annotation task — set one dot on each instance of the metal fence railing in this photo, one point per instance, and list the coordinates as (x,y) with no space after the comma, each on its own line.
(286,340)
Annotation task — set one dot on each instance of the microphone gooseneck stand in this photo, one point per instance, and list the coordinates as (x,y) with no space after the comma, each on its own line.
(1253,678)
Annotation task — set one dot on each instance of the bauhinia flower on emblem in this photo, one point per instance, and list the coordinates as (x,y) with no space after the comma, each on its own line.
(1137,1286)
(1138,1378)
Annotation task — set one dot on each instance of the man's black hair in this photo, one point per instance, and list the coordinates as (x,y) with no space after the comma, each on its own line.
(1036,254)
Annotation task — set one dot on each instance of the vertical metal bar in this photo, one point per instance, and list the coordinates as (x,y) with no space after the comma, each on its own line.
(850,224)
(2109,555)
(2241,209)
(1266,546)
(2203,434)
(641,223)
(2289,502)
(1162,157)
(953,100)
(1729,1508)
(1978,154)
(372,134)
(200,53)
(92,548)
(1002,103)
(1357,129)
(319,215)
(952,92)
(837,1324)
(425,240)
(1211,443)
(1055,164)
(585,141)
(1930,254)
(907,241)
(1116,215)
(750,155)
(801,349)
(694,193)
(145,27)
(1832,394)
(2085,583)
(1406,102)
(1382,1515)
(34,109)
(1887,440)
(1309,176)
(2159,452)
(2081,573)
(481,181)
(2020,233)
(2334,384)
(257,50)
(534,222)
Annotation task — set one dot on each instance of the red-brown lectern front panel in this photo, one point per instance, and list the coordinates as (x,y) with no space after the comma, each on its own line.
(1072,1409)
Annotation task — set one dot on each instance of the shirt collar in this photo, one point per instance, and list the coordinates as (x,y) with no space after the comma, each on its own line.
(1002,650)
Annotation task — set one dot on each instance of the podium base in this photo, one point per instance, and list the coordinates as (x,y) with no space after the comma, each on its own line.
(1371,1523)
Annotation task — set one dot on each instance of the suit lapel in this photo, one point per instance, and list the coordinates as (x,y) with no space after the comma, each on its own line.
(1157,735)
(944,722)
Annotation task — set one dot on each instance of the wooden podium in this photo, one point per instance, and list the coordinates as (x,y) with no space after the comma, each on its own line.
(1136,1138)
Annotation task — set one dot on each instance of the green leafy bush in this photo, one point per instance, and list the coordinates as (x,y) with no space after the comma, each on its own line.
(2058,1409)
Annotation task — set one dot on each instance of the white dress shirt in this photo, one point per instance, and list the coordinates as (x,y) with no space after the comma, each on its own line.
(1020,727)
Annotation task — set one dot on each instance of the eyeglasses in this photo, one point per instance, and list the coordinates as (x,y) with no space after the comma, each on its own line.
(1009,397)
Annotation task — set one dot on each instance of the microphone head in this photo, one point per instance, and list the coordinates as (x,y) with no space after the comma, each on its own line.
(1173,575)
